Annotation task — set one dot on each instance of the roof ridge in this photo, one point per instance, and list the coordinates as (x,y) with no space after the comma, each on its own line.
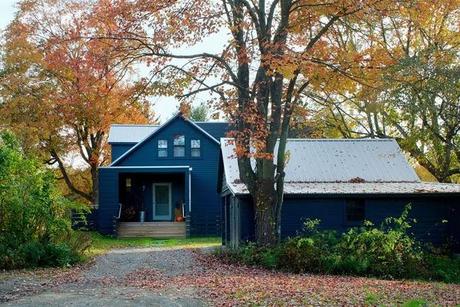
(332,140)
(135,125)
(209,122)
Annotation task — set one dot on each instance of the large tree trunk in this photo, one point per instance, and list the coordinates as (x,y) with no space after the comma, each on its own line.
(266,216)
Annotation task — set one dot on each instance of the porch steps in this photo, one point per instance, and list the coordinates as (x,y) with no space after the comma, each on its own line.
(159,230)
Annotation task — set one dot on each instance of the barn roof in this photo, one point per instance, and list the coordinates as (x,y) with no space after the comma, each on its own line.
(330,166)
(132,133)
(129,133)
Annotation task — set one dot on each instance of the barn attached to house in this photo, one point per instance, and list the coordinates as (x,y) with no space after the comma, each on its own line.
(342,183)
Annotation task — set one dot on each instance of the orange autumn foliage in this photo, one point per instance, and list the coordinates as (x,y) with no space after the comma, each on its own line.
(62,91)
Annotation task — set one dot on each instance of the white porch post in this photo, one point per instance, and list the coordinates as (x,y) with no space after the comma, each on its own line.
(190,189)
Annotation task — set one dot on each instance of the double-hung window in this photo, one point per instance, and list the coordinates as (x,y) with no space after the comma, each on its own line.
(162,148)
(195,148)
(179,146)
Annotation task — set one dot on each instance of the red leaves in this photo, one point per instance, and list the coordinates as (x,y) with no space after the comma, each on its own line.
(225,284)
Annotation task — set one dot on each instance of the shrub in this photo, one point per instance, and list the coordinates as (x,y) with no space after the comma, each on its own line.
(386,251)
(35,220)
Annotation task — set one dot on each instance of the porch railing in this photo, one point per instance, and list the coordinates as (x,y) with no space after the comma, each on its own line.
(116,220)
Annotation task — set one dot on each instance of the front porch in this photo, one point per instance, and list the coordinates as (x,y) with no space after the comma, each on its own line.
(176,230)
(152,197)
(145,201)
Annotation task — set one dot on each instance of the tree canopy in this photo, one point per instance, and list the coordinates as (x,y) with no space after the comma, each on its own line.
(61,91)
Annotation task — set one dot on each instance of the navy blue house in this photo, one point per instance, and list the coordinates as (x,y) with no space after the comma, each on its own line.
(181,179)
(342,183)
(160,175)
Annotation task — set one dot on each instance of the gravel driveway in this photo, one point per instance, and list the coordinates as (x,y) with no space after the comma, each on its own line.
(186,277)
(108,281)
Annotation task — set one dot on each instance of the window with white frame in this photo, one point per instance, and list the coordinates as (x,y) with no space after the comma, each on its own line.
(179,146)
(162,148)
(195,148)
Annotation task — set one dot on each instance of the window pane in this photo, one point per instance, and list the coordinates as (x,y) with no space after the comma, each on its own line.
(195,143)
(162,194)
(179,151)
(355,210)
(162,144)
(179,140)
(162,153)
(161,200)
(196,152)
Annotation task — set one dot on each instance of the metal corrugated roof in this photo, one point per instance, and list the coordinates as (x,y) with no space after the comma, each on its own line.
(129,133)
(344,188)
(328,166)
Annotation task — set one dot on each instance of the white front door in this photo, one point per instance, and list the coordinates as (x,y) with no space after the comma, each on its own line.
(162,209)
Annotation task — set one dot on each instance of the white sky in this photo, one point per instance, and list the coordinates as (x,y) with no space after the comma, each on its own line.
(7,9)
(164,107)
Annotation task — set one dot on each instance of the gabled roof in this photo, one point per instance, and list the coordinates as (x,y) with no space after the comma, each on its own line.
(330,166)
(155,130)
(216,129)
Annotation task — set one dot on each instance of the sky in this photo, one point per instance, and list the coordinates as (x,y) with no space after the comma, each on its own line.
(7,9)
(163,107)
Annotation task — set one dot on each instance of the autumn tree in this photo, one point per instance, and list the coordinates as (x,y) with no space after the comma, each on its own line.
(413,92)
(60,92)
(276,51)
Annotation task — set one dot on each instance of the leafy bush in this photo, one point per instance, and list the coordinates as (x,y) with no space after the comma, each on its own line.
(386,251)
(35,223)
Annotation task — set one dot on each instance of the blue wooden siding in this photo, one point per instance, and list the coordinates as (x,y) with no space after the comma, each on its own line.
(120,148)
(206,202)
(108,200)
(428,211)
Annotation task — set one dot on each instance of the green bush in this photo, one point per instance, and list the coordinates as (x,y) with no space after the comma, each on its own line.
(35,219)
(386,251)
(444,268)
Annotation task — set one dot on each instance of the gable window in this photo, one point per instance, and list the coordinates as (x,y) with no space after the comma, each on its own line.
(179,146)
(195,148)
(162,148)
(355,210)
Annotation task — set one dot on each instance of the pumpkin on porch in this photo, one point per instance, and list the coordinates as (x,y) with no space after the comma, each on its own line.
(178,215)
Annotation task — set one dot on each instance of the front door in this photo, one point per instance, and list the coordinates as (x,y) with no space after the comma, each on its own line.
(162,210)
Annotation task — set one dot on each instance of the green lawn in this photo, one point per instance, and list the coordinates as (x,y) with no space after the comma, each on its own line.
(101,244)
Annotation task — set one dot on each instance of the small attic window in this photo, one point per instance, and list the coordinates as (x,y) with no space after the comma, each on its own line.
(355,211)
(162,148)
(179,146)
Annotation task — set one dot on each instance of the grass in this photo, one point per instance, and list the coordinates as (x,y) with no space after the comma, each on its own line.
(415,303)
(101,244)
